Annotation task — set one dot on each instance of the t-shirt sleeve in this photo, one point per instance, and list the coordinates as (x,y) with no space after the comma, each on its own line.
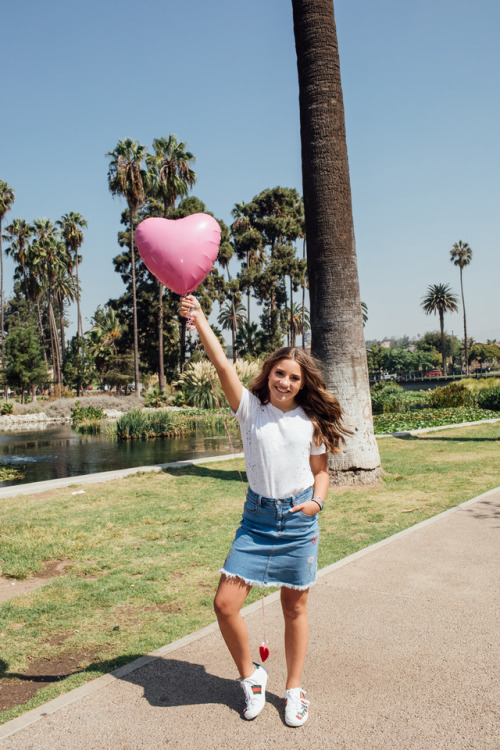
(317,450)
(243,411)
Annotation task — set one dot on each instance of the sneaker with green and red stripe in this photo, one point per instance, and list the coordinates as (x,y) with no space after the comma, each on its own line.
(254,688)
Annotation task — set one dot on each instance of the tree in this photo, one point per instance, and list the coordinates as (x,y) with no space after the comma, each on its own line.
(78,364)
(364,312)
(247,339)
(461,256)
(71,231)
(231,317)
(18,233)
(127,178)
(335,305)
(482,353)
(63,288)
(170,177)
(439,300)
(7,197)
(298,321)
(25,365)
(106,330)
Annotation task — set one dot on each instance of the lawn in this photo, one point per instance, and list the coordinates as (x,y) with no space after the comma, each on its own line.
(142,553)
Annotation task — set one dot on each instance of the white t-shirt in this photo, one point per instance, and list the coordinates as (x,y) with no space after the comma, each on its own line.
(277,447)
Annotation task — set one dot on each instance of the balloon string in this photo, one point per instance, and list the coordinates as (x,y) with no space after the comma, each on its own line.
(191,328)
(263,620)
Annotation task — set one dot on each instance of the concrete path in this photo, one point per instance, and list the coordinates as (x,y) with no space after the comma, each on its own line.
(404,655)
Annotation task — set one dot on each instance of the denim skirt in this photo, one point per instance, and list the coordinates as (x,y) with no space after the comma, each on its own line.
(274,547)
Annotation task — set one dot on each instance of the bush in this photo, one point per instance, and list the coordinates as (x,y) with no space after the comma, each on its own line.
(87,419)
(7,408)
(155,399)
(200,386)
(138,423)
(453,394)
(247,371)
(489,399)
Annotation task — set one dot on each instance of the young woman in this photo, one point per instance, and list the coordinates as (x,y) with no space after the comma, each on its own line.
(288,422)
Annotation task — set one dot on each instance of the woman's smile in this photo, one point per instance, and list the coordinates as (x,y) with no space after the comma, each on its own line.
(285,381)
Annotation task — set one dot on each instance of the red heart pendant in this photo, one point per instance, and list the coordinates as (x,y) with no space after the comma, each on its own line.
(264,651)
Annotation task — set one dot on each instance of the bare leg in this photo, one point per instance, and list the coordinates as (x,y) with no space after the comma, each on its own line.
(294,605)
(228,602)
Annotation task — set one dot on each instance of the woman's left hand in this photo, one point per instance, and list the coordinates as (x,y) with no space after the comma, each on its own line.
(309,508)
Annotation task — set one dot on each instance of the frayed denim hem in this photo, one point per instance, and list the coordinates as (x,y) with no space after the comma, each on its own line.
(261,584)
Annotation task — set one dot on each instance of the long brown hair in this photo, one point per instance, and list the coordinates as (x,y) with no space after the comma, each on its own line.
(321,406)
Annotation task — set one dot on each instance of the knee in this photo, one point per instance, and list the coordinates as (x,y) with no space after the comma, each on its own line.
(292,610)
(224,606)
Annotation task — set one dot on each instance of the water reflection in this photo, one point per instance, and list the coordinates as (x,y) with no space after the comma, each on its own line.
(58,451)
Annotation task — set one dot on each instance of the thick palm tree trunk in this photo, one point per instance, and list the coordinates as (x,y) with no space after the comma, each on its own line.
(336,319)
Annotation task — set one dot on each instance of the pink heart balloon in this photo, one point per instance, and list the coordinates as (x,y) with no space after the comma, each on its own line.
(179,252)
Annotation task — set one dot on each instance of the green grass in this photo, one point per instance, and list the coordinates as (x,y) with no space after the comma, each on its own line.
(143,552)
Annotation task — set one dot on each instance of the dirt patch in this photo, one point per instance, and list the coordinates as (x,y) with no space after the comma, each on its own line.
(11,587)
(17,688)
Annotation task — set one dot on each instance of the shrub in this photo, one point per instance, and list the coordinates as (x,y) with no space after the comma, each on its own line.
(247,371)
(453,394)
(7,408)
(138,423)
(87,419)
(155,399)
(489,398)
(387,397)
(200,385)
(391,398)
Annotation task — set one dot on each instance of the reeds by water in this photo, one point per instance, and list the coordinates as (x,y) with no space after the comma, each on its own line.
(139,424)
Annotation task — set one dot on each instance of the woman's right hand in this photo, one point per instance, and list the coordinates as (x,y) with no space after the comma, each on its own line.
(190,308)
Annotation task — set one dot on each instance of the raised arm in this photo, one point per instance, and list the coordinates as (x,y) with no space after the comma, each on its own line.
(190,307)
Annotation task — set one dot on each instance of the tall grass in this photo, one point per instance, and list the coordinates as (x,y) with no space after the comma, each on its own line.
(140,424)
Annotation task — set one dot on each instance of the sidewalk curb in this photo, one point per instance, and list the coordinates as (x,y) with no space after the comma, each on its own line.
(49,708)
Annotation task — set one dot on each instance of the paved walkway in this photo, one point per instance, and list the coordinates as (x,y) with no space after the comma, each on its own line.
(404,655)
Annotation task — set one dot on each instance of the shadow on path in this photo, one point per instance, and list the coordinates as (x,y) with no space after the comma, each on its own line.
(170,682)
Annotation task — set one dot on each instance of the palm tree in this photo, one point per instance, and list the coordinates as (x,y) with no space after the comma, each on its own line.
(49,255)
(461,256)
(127,178)
(71,231)
(64,288)
(231,317)
(335,305)
(439,300)
(171,177)
(364,311)
(7,197)
(298,321)
(247,338)
(18,233)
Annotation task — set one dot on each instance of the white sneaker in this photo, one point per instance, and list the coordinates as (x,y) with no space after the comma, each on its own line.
(254,688)
(295,707)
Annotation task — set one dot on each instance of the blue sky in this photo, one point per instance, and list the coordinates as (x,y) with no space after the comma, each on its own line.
(421,85)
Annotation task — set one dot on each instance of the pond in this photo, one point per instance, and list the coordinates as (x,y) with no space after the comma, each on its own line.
(58,451)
